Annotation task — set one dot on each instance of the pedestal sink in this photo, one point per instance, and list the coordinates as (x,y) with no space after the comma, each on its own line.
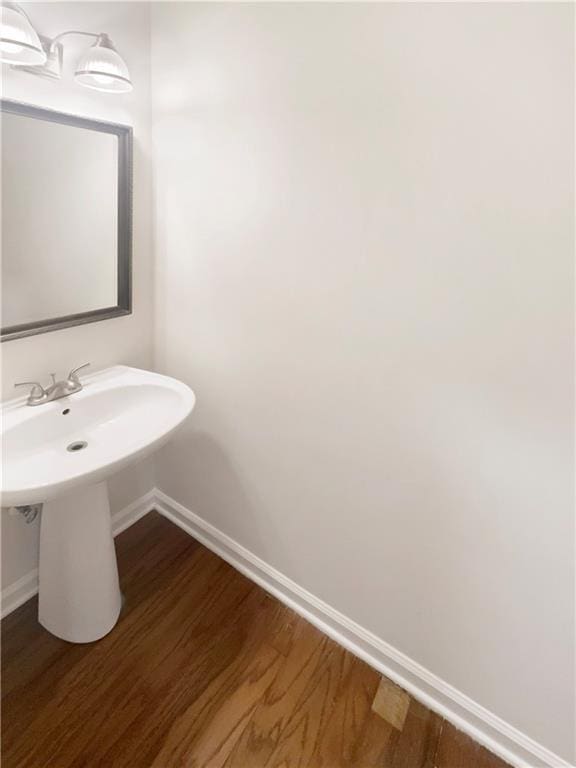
(60,454)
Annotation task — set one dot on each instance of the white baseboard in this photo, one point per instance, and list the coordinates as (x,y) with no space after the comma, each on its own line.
(133,512)
(483,726)
(20,591)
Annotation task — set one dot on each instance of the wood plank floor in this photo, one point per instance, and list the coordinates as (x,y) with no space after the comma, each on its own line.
(203,669)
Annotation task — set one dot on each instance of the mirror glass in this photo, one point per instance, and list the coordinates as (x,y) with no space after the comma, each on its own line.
(65,220)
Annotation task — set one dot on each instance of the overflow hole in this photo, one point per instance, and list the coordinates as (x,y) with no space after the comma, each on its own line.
(78,445)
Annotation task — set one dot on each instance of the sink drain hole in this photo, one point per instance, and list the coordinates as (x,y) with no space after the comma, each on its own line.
(78,445)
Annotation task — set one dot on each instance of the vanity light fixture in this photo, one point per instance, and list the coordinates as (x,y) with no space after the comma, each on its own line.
(100,67)
(19,41)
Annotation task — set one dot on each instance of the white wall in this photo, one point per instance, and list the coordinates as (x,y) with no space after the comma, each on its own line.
(365,232)
(123,340)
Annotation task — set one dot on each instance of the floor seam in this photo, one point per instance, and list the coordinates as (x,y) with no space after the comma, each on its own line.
(442,724)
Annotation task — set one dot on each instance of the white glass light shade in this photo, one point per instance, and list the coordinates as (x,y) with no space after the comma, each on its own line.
(19,43)
(102,68)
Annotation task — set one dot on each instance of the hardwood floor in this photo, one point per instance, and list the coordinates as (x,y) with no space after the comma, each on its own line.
(203,669)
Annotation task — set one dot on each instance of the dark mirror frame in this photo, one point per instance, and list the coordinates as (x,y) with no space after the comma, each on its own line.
(124,253)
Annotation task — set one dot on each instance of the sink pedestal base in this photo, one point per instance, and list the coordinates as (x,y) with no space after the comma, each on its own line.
(79,596)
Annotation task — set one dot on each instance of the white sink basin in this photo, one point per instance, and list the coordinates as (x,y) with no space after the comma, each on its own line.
(60,454)
(122,414)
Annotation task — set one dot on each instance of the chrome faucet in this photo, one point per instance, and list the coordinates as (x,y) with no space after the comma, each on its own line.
(56,390)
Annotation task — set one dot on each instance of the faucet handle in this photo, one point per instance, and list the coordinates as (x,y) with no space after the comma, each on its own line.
(36,393)
(72,376)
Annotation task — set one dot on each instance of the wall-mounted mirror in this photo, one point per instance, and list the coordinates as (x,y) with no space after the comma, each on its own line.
(66,220)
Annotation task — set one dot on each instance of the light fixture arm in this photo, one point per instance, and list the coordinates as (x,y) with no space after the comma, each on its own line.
(55,40)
